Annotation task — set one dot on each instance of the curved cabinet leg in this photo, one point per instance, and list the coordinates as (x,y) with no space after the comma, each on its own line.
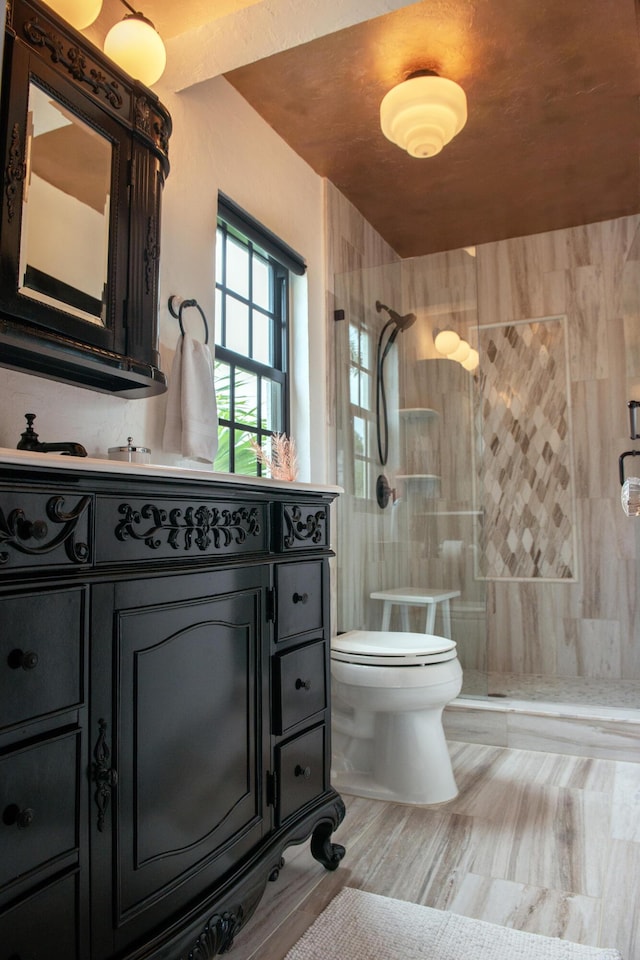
(327,853)
(275,873)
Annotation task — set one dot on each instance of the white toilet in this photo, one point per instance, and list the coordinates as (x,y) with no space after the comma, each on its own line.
(388,694)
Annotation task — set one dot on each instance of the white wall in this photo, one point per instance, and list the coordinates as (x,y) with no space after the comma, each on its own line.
(218,142)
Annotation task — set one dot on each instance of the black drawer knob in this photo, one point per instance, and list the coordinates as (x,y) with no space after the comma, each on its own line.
(19,658)
(303,684)
(13,815)
(25,818)
(33,529)
(301,771)
(300,597)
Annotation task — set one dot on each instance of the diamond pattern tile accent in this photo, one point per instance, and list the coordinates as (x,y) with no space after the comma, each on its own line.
(525,472)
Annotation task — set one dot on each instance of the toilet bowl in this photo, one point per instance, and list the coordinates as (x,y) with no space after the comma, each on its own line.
(388,694)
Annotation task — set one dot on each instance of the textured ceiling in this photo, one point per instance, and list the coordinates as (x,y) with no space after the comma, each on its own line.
(552,139)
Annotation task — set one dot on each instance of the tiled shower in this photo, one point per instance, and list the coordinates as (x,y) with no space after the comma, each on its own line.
(503,483)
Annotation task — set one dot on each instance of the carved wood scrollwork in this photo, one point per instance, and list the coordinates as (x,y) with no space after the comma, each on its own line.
(199,526)
(103,775)
(217,936)
(73,61)
(151,253)
(15,173)
(16,530)
(304,528)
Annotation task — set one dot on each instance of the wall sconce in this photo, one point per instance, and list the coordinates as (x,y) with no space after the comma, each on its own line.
(450,345)
(446,341)
(136,46)
(79,13)
(423,113)
(133,43)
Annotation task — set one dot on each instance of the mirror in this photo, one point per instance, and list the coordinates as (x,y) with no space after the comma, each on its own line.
(67,188)
(84,150)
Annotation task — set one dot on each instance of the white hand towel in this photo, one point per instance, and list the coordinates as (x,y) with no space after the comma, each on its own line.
(191,419)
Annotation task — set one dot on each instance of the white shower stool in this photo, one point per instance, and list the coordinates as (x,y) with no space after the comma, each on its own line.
(416,597)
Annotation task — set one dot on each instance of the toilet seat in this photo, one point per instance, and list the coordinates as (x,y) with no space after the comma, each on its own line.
(381,648)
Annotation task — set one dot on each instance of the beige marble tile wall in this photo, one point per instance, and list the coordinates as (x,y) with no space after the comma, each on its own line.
(444,528)
(589,274)
(589,628)
(361,269)
(526,474)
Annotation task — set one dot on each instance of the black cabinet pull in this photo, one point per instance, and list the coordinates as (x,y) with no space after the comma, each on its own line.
(103,775)
(36,529)
(300,597)
(18,658)
(14,815)
(303,684)
(301,771)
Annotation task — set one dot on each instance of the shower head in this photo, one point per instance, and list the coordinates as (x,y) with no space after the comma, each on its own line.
(402,323)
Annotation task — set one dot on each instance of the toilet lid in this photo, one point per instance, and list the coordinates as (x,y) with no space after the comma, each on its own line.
(383,648)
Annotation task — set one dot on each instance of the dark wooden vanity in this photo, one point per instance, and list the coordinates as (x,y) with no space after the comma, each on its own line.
(164,704)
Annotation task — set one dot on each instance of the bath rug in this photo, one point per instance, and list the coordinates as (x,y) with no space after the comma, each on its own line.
(365,926)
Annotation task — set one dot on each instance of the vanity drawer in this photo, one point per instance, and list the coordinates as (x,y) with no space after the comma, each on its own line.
(38,797)
(42,927)
(133,528)
(44,529)
(301,526)
(300,765)
(41,653)
(299,684)
(300,598)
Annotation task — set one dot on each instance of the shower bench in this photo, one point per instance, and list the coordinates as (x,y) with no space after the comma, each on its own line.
(405,597)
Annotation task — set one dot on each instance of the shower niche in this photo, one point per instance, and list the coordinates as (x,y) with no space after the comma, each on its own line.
(419,450)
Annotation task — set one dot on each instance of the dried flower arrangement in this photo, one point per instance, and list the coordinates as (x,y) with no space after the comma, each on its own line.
(283,462)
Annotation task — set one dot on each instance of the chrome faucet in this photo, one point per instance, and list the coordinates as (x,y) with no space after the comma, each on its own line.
(29,441)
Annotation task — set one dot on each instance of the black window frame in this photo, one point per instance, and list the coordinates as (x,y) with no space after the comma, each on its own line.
(237,225)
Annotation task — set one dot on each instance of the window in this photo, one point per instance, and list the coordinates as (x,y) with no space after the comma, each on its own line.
(253,269)
(361,387)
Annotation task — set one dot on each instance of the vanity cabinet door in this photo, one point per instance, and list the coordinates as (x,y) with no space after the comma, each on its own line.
(190,656)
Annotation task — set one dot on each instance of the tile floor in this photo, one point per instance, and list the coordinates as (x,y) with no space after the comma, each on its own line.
(538,841)
(570,691)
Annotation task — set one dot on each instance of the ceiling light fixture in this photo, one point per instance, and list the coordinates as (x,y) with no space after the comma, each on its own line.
(79,13)
(136,46)
(423,113)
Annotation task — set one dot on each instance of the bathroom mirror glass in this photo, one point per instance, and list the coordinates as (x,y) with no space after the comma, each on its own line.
(64,244)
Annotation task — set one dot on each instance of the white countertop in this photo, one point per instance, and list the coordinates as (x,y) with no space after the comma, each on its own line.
(53,461)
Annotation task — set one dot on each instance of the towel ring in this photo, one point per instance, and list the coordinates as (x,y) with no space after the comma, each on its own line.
(178,314)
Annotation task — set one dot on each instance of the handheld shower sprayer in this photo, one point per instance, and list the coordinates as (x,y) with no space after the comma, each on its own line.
(399,324)
(402,323)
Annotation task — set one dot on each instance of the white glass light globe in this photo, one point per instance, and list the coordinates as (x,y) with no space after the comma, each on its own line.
(423,113)
(472,361)
(446,342)
(136,46)
(79,13)
(461,352)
